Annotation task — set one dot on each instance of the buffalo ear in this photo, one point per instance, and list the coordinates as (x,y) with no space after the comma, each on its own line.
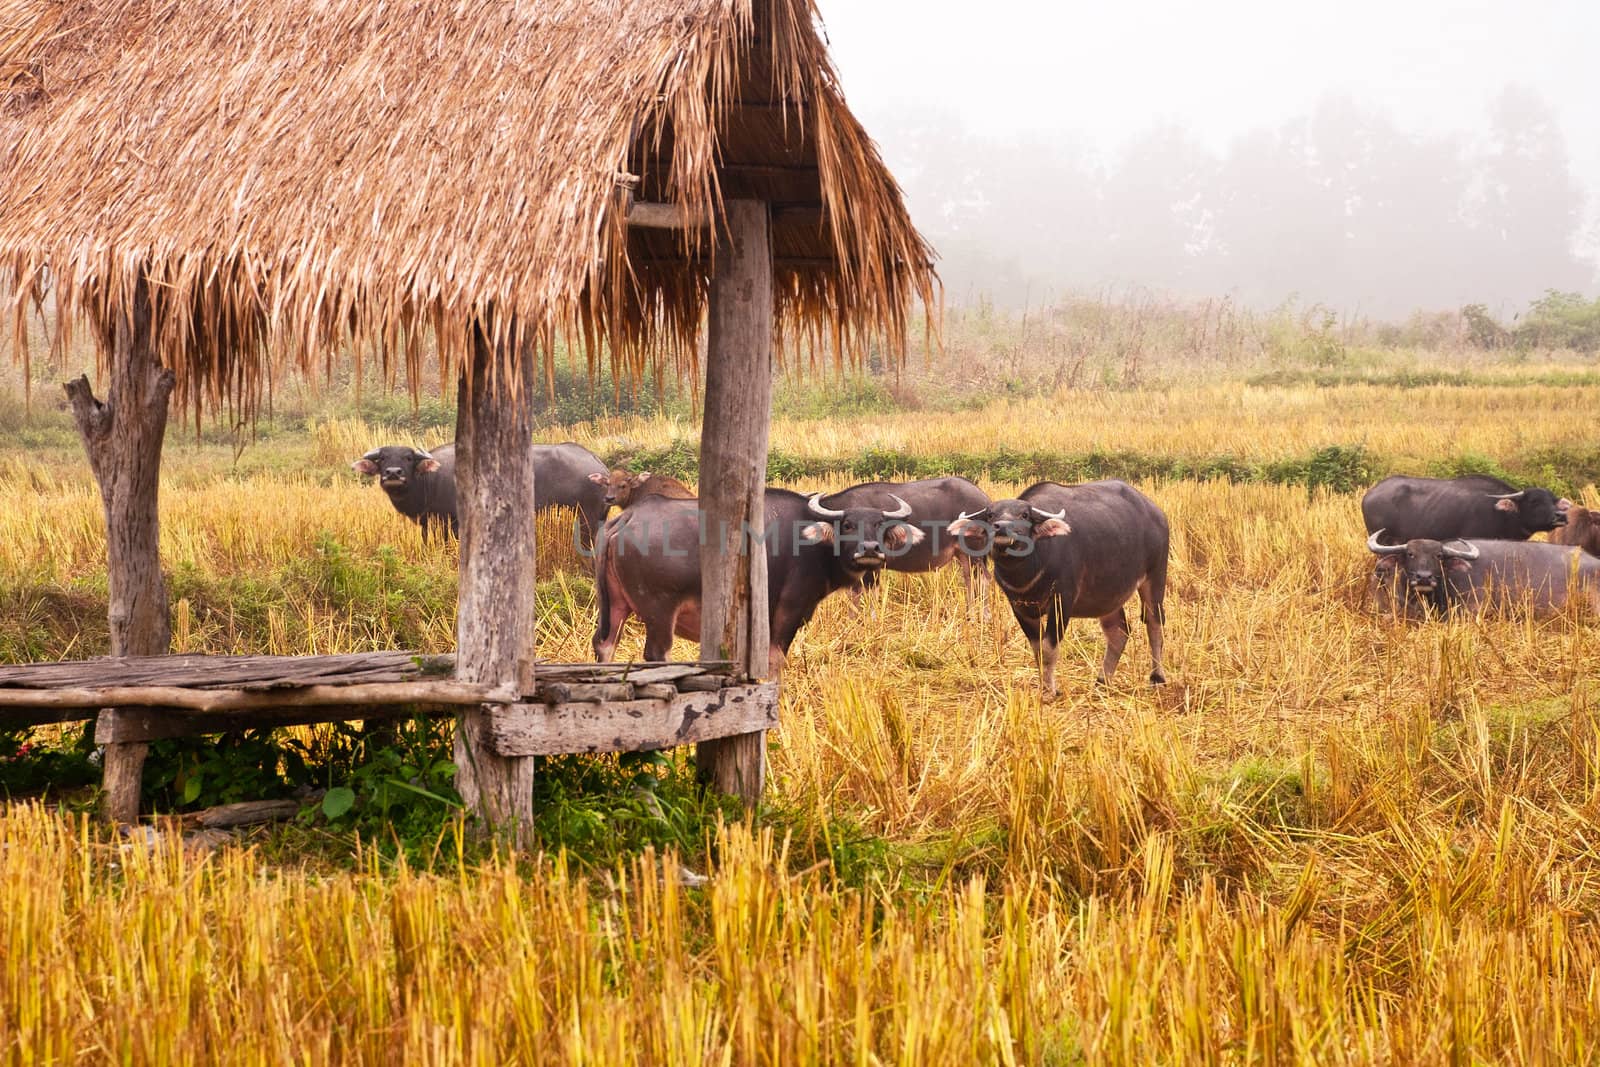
(1563,505)
(1454,564)
(901,535)
(1052,528)
(818,533)
(1388,563)
(364,466)
(599,479)
(428,466)
(1506,505)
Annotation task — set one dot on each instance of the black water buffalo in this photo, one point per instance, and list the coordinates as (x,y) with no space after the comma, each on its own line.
(422,484)
(648,564)
(935,504)
(1065,552)
(1480,575)
(1474,506)
(1582,529)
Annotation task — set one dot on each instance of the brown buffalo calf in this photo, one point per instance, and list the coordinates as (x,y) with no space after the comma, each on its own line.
(1582,529)
(624,488)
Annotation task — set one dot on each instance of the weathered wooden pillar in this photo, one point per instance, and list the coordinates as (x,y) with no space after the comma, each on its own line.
(123,437)
(495,606)
(733,474)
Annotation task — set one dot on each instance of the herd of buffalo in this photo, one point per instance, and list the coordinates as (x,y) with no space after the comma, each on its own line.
(1058,552)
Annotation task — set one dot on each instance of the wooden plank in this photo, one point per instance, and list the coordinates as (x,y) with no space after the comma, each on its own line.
(156,696)
(666,217)
(704,683)
(635,725)
(668,672)
(583,692)
(226,672)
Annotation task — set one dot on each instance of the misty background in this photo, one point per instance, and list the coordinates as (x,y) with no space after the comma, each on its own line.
(1373,157)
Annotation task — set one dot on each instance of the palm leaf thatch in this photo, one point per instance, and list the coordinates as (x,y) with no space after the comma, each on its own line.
(297,179)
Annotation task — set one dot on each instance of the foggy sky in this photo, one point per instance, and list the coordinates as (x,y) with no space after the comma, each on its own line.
(1096,76)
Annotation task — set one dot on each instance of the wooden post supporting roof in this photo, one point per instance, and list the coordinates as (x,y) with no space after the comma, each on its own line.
(495,606)
(733,475)
(123,437)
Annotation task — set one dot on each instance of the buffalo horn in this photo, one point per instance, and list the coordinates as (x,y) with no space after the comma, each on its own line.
(423,453)
(976,514)
(1468,550)
(1041,515)
(373,455)
(900,512)
(1382,549)
(1508,496)
(815,504)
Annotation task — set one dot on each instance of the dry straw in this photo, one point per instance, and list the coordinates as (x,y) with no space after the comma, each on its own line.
(298,179)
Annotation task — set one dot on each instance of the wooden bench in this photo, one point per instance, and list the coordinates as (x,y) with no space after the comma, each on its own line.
(575,707)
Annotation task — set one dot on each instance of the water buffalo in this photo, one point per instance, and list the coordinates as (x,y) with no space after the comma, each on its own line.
(1476,506)
(422,484)
(622,488)
(1481,575)
(935,504)
(1065,552)
(648,564)
(1582,529)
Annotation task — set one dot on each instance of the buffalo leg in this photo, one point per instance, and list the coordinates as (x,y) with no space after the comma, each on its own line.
(1044,639)
(608,628)
(1115,626)
(1152,610)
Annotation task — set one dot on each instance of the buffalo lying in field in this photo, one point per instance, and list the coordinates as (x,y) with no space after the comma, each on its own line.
(1424,575)
(622,488)
(648,564)
(422,484)
(1065,552)
(1473,507)
(935,504)
(1582,530)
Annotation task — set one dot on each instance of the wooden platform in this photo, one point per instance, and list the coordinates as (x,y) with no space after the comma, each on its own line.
(575,707)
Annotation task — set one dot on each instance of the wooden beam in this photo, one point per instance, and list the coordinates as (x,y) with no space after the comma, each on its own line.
(210,700)
(649,215)
(769,169)
(635,725)
(733,469)
(134,725)
(495,603)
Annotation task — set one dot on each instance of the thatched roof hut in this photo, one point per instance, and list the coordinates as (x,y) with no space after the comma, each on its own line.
(222,188)
(298,176)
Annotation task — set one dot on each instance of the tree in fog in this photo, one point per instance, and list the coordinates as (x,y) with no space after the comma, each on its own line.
(1341,206)
(1528,204)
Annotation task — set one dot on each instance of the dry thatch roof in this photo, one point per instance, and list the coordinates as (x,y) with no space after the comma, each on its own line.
(298,176)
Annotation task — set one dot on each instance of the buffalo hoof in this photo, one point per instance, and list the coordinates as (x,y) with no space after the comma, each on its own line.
(1157,678)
